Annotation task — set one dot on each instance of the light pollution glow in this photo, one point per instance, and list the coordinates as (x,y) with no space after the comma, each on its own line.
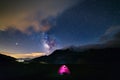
(25,55)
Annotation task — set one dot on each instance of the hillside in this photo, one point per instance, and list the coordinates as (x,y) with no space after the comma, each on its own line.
(68,56)
(95,64)
(6,59)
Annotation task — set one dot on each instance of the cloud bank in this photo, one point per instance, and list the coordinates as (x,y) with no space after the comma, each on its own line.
(22,14)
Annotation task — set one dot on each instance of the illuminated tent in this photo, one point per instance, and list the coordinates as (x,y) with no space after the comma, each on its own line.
(63,70)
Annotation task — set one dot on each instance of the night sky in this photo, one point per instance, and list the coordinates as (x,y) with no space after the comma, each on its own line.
(40,26)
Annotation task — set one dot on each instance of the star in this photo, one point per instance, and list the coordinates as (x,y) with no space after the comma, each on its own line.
(16,44)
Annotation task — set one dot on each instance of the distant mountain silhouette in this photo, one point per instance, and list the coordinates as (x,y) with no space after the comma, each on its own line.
(6,59)
(90,56)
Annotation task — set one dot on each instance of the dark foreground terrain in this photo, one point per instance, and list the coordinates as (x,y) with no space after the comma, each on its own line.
(93,64)
(50,72)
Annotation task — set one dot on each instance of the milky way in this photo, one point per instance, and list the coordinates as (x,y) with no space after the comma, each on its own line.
(42,26)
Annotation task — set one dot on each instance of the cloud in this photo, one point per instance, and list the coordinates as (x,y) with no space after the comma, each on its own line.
(117,35)
(115,42)
(24,13)
(112,29)
(111,37)
(110,33)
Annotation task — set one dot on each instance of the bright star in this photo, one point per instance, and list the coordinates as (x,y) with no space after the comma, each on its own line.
(16,44)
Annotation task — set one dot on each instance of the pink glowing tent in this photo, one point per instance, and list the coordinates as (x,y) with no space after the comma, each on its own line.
(63,70)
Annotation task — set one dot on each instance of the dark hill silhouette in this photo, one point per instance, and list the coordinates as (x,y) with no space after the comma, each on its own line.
(58,56)
(4,59)
(68,56)
(95,64)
